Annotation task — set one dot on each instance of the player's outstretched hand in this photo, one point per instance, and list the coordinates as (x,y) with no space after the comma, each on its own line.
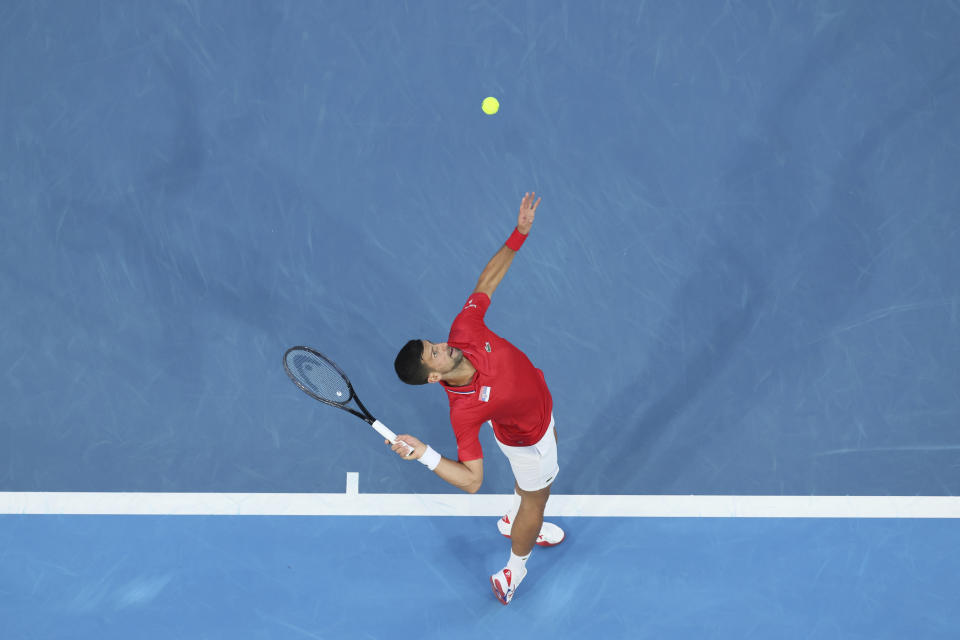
(528,209)
(402,449)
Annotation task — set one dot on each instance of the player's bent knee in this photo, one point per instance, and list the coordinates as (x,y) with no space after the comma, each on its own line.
(534,497)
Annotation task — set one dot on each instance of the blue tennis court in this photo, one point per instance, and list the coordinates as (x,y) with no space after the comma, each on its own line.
(742,282)
(371,577)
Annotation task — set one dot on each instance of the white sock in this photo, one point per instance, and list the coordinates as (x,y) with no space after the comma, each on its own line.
(512,514)
(517,564)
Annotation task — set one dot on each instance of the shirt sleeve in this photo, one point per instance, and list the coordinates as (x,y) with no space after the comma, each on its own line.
(469,321)
(476,305)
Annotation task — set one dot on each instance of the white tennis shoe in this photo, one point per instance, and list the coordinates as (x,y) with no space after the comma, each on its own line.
(505,584)
(550,534)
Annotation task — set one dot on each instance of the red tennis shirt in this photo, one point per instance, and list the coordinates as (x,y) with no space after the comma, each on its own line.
(507,389)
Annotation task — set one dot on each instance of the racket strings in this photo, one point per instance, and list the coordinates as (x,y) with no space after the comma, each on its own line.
(318,376)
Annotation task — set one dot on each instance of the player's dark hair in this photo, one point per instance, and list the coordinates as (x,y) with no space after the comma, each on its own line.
(409,363)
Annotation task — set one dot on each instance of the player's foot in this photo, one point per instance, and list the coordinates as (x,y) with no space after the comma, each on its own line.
(505,584)
(550,534)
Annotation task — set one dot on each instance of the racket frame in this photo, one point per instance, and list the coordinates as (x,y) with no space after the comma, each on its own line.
(364,414)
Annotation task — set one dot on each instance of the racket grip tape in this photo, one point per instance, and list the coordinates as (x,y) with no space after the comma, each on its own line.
(385,431)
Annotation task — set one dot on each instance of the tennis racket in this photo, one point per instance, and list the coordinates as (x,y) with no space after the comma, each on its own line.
(320,378)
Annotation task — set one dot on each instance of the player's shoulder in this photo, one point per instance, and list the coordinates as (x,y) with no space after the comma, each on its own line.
(470,320)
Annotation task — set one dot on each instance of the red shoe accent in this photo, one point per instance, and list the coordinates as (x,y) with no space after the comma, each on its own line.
(498,590)
(551,544)
(540,543)
(505,520)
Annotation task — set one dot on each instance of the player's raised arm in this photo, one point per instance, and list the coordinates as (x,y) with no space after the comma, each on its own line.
(493,273)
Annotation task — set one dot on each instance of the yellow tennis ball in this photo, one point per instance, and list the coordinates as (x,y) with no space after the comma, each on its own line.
(490,106)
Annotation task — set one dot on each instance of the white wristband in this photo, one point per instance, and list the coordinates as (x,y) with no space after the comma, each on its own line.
(430,458)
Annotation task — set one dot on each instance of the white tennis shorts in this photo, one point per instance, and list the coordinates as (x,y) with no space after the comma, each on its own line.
(534,467)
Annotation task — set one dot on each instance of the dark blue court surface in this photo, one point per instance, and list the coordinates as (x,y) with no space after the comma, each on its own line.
(201,577)
(743,276)
(743,279)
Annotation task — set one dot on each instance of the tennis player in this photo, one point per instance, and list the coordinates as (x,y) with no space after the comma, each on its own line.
(487,379)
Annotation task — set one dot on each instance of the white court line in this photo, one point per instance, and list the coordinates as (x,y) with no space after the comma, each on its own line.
(353,483)
(381,504)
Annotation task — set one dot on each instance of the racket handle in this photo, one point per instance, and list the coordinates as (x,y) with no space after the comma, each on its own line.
(385,431)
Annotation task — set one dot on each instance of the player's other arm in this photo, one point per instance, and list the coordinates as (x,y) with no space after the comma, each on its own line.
(467,475)
(493,273)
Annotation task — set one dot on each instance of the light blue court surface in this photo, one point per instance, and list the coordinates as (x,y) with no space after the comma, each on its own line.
(277,578)
(742,281)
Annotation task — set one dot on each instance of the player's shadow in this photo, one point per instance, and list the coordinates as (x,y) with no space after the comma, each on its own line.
(831,250)
(714,311)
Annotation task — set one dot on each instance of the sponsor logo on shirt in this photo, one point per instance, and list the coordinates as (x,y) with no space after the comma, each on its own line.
(484,394)
(488,347)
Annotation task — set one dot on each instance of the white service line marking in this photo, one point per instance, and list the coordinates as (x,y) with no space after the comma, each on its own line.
(410,504)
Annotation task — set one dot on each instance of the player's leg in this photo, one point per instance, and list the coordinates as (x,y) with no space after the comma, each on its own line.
(534,469)
(529,520)
(537,467)
(524,535)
